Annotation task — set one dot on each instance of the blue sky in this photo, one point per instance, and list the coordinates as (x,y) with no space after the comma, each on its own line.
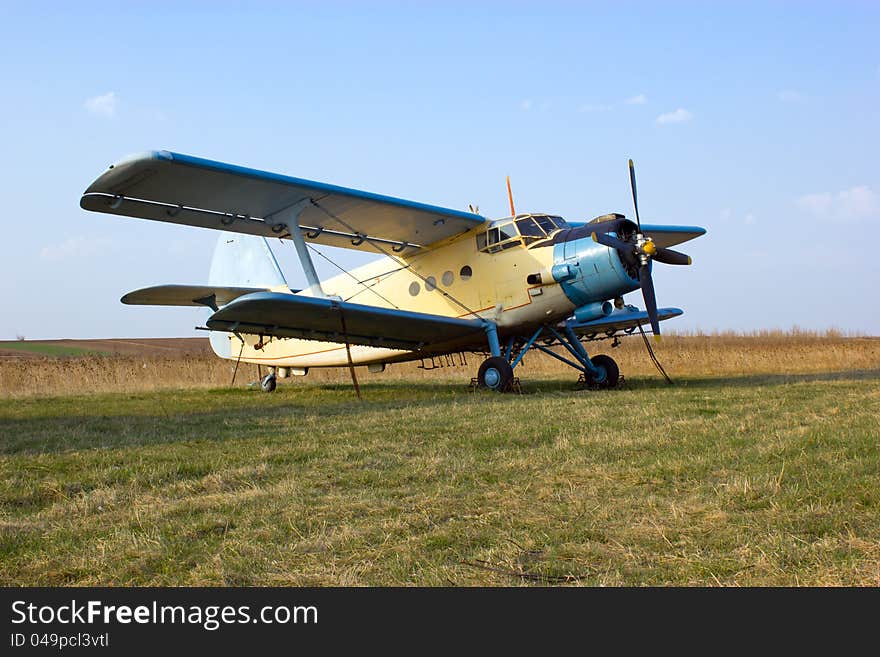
(758,121)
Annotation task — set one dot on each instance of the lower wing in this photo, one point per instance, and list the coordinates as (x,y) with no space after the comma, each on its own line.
(626,319)
(329,320)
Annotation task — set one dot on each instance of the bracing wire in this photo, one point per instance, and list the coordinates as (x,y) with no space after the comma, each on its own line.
(403,264)
(369,288)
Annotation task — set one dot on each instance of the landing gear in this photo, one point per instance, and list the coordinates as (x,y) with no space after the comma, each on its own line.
(267,384)
(610,370)
(496,374)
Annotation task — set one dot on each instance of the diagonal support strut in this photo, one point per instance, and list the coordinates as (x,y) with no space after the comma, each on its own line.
(289,218)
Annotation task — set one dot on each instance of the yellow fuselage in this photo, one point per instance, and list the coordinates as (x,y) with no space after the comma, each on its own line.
(497,289)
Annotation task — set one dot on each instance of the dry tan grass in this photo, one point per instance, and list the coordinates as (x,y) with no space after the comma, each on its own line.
(724,354)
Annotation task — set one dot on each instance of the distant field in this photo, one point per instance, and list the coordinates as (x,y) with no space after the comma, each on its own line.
(12,349)
(112,347)
(758,467)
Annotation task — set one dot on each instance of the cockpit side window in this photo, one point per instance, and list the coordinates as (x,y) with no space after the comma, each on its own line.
(503,232)
(527,229)
(546,223)
(498,238)
(530,231)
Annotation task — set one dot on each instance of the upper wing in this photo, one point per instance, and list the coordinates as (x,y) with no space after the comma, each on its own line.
(626,319)
(329,320)
(666,236)
(189,190)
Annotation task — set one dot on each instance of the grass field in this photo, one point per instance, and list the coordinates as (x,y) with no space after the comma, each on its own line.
(754,469)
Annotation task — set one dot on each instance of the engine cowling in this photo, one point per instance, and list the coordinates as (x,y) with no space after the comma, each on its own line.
(590,273)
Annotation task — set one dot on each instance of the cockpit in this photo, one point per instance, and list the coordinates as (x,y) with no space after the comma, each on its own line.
(521,230)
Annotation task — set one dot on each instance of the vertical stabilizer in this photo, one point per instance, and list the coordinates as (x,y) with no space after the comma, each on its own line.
(241,261)
(244,261)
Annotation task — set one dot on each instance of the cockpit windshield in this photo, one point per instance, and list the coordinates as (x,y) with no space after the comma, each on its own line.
(524,229)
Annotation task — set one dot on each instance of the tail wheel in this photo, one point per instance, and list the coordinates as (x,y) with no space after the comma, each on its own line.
(496,374)
(268,383)
(612,372)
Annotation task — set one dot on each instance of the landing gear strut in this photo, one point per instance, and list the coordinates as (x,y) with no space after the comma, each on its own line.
(496,372)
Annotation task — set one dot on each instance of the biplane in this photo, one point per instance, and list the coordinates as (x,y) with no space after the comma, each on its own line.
(448,282)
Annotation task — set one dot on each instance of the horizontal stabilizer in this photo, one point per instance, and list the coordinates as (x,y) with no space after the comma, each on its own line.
(187,295)
(625,319)
(330,320)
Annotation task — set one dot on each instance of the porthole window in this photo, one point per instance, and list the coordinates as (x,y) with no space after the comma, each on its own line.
(447,279)
(430,284)
(465,273)
(414,288)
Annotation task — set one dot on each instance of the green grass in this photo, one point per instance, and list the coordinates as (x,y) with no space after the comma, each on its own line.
(762,480)
(53,350)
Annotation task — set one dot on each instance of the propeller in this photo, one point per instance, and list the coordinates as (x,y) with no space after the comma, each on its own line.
(639,252)
(632,184)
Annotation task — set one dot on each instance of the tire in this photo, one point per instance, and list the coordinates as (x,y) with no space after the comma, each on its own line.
(268,383)
(496,374)
(612,372)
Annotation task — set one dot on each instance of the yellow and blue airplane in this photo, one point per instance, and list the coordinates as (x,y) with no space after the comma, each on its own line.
(449,281)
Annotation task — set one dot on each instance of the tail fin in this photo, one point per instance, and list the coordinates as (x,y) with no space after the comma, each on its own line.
(242,261)
(245,261)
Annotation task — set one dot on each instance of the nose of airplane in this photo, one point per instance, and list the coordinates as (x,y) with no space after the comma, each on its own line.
(589,272)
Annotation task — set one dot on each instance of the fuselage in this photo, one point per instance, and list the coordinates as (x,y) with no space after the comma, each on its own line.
(521,272)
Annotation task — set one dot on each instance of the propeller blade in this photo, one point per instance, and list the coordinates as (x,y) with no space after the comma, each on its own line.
(605,227)
(650,299)
(626,249)
(632,182)
(670,257)
(612,242)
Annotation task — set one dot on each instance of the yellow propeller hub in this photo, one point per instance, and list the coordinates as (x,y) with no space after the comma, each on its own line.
(649,247)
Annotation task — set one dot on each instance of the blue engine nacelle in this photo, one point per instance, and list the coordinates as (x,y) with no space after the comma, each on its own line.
(590,273)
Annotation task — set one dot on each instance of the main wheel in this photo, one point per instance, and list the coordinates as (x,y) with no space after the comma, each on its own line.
(612,372)
(268,383)
(496,374)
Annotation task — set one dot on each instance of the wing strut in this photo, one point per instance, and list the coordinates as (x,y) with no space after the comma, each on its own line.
(287,220)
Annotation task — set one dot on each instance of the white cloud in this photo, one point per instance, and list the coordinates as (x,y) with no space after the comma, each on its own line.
(750,220)
(678,116)
(851,204)
(641,99)
(595,108)
(526,105)
(103,105)
(789,96)
(75,247)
